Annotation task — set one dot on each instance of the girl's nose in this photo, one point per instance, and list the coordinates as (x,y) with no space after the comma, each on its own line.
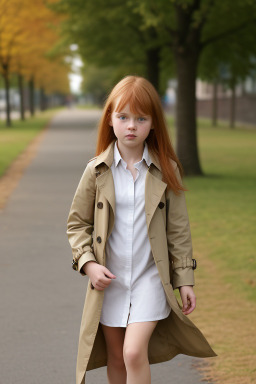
(132,124)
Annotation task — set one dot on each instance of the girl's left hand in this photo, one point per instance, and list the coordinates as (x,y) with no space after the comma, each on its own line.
(188,298)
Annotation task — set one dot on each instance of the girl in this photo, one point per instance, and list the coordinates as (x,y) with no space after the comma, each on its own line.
(129,232)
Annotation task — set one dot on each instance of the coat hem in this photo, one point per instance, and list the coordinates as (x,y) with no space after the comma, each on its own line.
(158,359)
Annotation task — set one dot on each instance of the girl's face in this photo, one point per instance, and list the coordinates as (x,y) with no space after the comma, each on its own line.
(130,130)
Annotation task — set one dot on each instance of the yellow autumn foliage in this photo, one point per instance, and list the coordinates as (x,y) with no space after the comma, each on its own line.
(28,31)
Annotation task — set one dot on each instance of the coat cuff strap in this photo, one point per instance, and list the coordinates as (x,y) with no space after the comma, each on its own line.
(184,263)
(81,258)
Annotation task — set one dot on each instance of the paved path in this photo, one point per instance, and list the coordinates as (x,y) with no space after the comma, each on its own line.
(42,298)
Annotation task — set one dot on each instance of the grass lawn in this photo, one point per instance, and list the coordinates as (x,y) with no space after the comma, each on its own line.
(13,140)
(222,211)
(222,205)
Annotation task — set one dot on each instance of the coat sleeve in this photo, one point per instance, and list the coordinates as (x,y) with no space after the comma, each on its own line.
(179,238)
(80,221)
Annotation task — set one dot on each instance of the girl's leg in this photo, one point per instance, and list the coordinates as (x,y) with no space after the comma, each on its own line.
(116,370)
(136,352)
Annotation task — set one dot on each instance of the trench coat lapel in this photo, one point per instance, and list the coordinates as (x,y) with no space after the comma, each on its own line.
(105,181)
(154,187)
(154,190)
(105,184)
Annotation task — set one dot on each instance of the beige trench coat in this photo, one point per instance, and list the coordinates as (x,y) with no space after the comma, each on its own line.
(90,222)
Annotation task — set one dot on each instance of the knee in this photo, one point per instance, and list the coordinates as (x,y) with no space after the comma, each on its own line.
(116,360)
(133,357)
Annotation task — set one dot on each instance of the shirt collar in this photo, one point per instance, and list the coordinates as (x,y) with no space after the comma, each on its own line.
(145,156)
(107,157)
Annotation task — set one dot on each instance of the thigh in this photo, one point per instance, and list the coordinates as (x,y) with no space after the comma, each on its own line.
(137,335)
(114,337)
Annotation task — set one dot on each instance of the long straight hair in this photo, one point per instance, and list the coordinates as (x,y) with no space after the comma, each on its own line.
(143,99)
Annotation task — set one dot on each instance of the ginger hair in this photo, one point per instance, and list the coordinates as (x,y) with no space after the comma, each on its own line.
(143,99)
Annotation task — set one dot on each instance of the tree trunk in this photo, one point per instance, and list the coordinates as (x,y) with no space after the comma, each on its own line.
(31,97)
(233,106)
(153,66)
(215,103)
(7,94)
(42,99)
(21,92)
(187,151)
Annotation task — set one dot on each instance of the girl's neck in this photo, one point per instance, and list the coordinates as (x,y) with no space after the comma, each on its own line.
(131,155)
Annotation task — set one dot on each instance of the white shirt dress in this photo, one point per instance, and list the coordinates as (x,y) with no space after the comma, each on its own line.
(137,293)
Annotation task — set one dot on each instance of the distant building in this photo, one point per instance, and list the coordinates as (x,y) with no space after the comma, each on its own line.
(245,104)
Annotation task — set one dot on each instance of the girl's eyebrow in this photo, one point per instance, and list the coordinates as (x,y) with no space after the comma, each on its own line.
(124,113)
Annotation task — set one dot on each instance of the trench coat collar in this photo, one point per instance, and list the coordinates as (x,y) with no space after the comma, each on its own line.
(107,157)
(154,187)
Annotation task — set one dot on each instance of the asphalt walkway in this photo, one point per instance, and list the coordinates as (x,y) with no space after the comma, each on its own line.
(42,297)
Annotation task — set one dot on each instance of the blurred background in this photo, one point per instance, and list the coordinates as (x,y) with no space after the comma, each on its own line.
(59,60)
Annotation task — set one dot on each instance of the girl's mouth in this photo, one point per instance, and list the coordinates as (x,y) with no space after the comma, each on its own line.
(130,136)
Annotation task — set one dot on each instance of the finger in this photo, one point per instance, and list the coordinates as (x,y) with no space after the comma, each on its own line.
(100,286)
(188,311)
(193,302)
(105,280)
(109,274)
(191,307)
(99,289)
(185,303)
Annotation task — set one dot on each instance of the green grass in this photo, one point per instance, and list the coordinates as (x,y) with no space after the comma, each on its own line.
(14,139)
(222,204)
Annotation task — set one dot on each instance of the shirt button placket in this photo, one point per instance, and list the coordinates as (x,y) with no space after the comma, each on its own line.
(129,239)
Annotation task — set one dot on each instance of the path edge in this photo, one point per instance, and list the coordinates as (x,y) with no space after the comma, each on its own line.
(10,179)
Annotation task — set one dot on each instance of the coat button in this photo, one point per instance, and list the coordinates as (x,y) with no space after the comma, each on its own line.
(99,239)
(194,264)
(161,205)
(100,204)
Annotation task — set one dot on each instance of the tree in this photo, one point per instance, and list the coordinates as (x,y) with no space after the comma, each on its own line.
(193,25)
(28,31)
(145,28)
(112,35)
(10,33)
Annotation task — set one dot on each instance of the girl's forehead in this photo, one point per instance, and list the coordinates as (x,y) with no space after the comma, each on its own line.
(120,107)
(119,104)
(125,108)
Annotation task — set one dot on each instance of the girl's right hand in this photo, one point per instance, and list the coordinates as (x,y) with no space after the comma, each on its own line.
(99,275)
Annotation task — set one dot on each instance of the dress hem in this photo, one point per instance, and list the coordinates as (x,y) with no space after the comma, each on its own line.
(137,321)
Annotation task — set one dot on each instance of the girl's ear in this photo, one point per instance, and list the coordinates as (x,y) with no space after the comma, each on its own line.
(110,123)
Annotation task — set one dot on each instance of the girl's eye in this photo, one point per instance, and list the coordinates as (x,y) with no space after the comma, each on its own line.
(122,117)
(141,119)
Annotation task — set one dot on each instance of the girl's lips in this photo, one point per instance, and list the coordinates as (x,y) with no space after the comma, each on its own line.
(130,136)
